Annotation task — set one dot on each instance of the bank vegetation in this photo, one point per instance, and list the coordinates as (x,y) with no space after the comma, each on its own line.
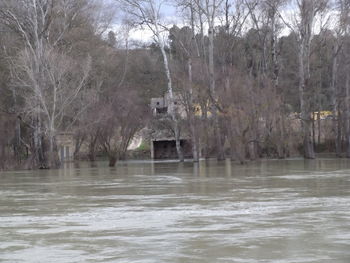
(257,78)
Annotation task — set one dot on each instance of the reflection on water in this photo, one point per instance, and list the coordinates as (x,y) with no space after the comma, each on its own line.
(269,211)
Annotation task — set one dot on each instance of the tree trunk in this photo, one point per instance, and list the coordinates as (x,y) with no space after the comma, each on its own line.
(319,125)
(334,105)
(17,143)
(347,115)
(204,121)
(307,12)
(38,152)
(53,160)
(279,121)
(282,148)
(313,128)
(92,147)
(171,108)
(78,143)
(112,158)
(304,77)
(319,106)
(339,131)
(178,141)
(194,135)
(212,90)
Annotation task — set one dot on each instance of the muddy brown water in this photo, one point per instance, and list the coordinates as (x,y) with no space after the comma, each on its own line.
(267,211)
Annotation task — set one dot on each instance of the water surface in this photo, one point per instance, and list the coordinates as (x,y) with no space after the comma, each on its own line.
(268,211)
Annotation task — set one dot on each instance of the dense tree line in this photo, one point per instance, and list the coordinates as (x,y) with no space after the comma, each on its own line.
(59,73)
(254,76)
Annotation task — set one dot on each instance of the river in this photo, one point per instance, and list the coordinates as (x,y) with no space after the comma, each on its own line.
(266,211)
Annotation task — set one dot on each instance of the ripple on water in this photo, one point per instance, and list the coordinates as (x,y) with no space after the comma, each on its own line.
(170,216)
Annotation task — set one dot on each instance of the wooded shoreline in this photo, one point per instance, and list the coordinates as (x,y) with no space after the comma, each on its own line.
(242,79)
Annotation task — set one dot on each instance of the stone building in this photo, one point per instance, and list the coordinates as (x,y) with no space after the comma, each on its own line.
(162,140)
(160,106)
(65,145)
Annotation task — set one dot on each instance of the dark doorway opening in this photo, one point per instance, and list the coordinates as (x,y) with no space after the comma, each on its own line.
(166,149)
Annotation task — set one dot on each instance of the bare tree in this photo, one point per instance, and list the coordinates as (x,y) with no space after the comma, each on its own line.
(307,11)
(266,19)
(183,41)
(44,76)
(340,90)
(147,12)
(51,97)
(342,7)
(210,9)
(124,114)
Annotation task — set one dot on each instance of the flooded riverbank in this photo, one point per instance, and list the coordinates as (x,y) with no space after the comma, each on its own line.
(268,211)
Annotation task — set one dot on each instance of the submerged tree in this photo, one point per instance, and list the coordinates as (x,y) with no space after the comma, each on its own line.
(46,80)
(306,13)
